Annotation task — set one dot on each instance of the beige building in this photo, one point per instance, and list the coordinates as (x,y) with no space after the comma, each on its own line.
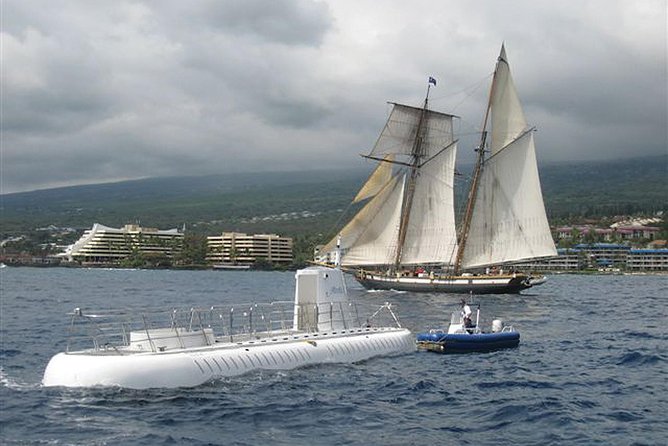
(647,260)
(234,248)
(105,245)
(565,260)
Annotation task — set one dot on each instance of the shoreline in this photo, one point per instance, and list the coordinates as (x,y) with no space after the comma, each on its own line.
(295,268)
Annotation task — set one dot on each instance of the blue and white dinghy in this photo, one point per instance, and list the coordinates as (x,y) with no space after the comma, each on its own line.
(199,345)
(465,338)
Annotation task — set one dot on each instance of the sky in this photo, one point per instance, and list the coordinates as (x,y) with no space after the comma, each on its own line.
(98,91)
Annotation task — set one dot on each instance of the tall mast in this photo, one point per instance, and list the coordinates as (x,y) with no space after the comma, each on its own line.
(473,192)
(409,192)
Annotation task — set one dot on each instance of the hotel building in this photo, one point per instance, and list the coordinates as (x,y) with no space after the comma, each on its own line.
(647,260)
(600,255)
(103,245)
(565,260)
(235,248)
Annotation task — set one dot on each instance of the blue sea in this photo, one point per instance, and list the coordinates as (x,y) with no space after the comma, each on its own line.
(591,369)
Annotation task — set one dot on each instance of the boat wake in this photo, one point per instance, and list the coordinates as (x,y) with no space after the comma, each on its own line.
(386,291)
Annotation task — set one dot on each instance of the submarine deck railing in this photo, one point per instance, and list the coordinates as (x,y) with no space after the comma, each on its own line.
(109,332)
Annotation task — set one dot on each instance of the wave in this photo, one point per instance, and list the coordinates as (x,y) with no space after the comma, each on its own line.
(14,384)
(639,359)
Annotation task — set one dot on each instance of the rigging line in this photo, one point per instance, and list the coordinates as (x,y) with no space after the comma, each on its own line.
(473,86)
(326,235)
(477,132)
(336,224)
(383,160)
(453,253)
(466,98)
(439,152)
(522,135)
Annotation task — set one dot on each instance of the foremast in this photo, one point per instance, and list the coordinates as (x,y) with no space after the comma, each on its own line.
(409,192)
(419,143)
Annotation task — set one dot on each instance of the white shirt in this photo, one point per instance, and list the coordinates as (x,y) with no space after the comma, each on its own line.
(466,311)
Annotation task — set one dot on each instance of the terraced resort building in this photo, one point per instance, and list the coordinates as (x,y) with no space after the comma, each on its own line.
(102,245)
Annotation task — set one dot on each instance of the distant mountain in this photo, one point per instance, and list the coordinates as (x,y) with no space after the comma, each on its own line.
(230,201)
(298,202)
(616,187)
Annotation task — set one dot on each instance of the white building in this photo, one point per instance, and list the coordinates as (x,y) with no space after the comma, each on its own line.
(105,245)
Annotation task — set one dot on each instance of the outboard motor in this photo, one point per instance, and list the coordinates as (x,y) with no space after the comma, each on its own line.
(497,326)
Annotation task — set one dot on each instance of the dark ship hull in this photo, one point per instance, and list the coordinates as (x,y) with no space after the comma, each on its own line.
(480,284)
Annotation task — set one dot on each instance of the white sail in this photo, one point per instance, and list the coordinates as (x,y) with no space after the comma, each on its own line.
(379,219)
(509,221)
(431,236)
(370,238)
(508,120)
(399,134)
(377,180)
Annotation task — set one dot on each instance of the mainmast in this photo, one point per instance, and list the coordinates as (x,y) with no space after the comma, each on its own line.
(416,156)
(473,192)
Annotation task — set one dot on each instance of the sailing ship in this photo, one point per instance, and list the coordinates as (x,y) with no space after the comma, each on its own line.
(405,238)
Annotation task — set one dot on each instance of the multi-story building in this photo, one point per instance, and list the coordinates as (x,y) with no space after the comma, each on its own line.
(234,248)
(600,255)
(105,245)
(603,254)
(647,260)
(620,232)
(565,260)
(578,232)
(635,232)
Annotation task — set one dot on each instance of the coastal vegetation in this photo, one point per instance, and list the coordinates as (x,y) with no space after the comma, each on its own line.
(308,206)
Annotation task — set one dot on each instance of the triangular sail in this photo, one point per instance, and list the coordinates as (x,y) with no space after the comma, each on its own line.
(431,235)
(508,120)
(508,221)
(377,180)
(370,237)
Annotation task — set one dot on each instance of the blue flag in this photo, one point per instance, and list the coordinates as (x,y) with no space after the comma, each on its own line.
(432,81)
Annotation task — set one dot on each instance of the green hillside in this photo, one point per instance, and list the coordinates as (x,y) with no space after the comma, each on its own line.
(606,188)
(286,202)
(298,203)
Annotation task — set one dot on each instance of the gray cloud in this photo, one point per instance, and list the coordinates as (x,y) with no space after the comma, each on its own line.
(289,22)
(100,91)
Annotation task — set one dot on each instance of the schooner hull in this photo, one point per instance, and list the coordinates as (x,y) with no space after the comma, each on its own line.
(483,284)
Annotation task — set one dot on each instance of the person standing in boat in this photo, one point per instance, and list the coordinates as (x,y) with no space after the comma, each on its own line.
(466,314)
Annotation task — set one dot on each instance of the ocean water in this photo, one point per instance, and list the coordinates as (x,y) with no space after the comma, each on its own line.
(591,369)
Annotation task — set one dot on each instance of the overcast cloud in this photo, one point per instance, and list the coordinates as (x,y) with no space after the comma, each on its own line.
(96,91)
